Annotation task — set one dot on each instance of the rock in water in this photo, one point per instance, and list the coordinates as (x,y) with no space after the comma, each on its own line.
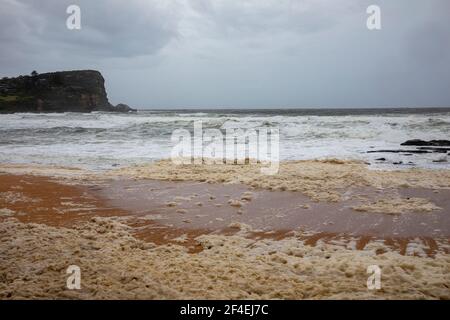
(65,91)
(418,142)
(121,107)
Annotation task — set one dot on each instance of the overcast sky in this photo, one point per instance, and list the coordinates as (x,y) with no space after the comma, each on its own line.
(239,53)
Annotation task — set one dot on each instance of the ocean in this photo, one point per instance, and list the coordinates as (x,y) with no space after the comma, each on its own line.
(101,141)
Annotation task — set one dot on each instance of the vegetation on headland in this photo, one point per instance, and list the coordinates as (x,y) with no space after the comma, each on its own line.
(65,91)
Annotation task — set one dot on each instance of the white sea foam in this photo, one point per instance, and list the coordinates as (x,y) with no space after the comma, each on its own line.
(100,140)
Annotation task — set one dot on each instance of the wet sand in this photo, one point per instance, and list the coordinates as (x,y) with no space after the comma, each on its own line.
(137,237)
(163,211)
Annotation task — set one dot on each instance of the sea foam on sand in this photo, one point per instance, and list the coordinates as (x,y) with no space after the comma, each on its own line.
(115,265)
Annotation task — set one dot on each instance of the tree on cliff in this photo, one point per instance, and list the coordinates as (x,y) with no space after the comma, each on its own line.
(34,73)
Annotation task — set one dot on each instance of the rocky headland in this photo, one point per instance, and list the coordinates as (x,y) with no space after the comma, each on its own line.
(64,91)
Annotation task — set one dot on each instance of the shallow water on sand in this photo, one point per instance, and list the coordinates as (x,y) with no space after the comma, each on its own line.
(177,212)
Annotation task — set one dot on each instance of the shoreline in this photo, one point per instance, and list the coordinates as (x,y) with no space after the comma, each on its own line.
(163,213)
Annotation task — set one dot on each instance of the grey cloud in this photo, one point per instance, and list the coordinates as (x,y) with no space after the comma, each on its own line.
(239,53)
(109,28)
(255,17)
(429,42)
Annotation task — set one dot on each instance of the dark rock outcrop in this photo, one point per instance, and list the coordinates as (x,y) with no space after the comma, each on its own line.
(121,107)
(398,151)
(65,91)
(418,142)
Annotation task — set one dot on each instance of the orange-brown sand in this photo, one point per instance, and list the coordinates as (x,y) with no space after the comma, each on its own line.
(144,238)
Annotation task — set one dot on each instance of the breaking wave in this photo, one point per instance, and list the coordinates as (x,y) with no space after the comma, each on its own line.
(99,140)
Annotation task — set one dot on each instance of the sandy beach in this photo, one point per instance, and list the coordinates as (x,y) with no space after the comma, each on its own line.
(161,231)
(225,150)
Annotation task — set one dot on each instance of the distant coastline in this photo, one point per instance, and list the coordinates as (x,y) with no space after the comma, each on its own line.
(307,111)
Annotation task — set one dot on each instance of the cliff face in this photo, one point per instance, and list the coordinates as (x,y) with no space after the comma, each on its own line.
(66,91)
